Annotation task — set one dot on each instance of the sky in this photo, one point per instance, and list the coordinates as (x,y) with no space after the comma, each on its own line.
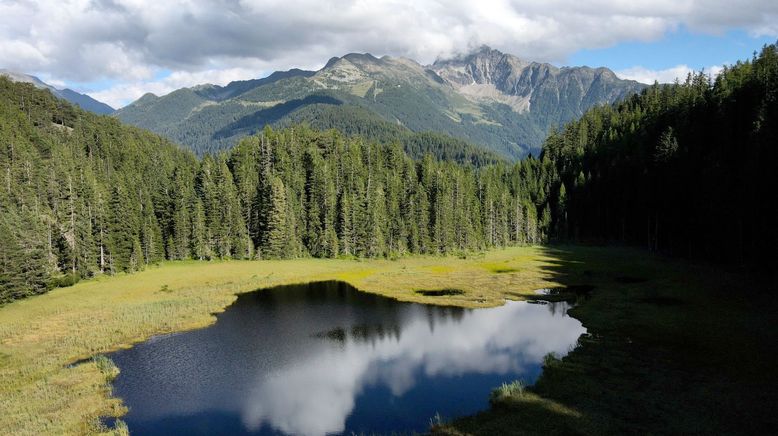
(117,50)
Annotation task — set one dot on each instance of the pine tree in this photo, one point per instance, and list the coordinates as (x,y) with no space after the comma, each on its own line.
(183,202)
(200,248)
(376,239)
(561,213)
(345,230)
(151,234)
(136,261)
(122,229)
(274,240)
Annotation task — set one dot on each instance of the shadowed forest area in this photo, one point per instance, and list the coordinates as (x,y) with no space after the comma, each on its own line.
(686,169)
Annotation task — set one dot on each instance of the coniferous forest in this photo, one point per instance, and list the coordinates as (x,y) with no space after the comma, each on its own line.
(84,195)
(684,169)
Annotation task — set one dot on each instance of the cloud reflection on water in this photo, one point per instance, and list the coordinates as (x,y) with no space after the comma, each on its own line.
(315,396)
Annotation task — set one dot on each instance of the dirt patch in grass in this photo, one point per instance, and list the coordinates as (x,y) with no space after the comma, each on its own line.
(439,292)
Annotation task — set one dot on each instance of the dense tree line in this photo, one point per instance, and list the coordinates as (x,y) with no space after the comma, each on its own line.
(686,169)
(683,168)
(303,192)
(83,195)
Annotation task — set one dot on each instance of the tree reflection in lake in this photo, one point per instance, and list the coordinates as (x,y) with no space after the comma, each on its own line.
(324,358)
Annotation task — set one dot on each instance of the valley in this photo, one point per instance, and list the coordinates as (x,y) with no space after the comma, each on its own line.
(471,243)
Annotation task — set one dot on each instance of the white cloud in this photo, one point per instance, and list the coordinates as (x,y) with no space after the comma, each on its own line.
(668,75)
(316,395)
(126,92)
(130,41)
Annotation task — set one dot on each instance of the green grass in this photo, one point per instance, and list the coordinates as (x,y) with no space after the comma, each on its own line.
(40,393)
(673,347)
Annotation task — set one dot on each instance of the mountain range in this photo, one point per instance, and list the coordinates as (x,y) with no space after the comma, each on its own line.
(486,98)
(82,100)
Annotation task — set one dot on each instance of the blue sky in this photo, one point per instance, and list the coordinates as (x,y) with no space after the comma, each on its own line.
(117,50)
(696,50)
(676,52)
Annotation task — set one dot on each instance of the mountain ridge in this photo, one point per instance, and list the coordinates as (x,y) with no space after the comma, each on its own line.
(488,98)
(81,100)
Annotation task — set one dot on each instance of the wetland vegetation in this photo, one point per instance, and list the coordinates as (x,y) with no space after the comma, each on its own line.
(684,360)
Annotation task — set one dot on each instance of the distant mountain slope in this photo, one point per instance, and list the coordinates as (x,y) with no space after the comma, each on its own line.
(83,101)
(487,98)
(357,121)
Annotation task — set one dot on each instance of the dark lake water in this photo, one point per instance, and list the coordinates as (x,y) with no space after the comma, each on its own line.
(324,358)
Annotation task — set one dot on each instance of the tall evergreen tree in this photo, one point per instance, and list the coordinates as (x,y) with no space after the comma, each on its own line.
(274,240)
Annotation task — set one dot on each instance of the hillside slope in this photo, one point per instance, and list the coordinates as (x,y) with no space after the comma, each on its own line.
(81,100)
(84,195)
(488,98)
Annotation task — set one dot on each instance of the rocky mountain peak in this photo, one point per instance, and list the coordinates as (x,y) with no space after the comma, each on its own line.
(485,66)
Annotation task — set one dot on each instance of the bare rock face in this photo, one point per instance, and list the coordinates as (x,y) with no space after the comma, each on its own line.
(483,67)
(489,74)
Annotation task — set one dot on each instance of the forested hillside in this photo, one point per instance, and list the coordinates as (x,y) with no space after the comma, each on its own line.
(687,169)
(684,169)
(81,193)
(354,120)
(84,195)
(81,100)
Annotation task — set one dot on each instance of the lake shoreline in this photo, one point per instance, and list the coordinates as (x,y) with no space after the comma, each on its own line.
(40,335)
(276,355)
(688,344)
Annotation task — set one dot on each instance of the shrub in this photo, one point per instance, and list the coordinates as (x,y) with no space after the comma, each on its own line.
(107,367)
(507,391)
(66,280)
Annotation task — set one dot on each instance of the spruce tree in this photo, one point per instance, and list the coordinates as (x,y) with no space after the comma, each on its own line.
(274,241)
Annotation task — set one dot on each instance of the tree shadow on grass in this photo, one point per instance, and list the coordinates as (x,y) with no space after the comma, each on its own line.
(697,365)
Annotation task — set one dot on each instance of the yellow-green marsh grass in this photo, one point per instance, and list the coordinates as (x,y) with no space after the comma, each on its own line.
(41,393)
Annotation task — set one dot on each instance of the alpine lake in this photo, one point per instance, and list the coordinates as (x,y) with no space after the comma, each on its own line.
(324,358)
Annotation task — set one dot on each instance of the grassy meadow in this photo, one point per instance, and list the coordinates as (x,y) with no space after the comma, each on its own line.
(40,337)
(671,340)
